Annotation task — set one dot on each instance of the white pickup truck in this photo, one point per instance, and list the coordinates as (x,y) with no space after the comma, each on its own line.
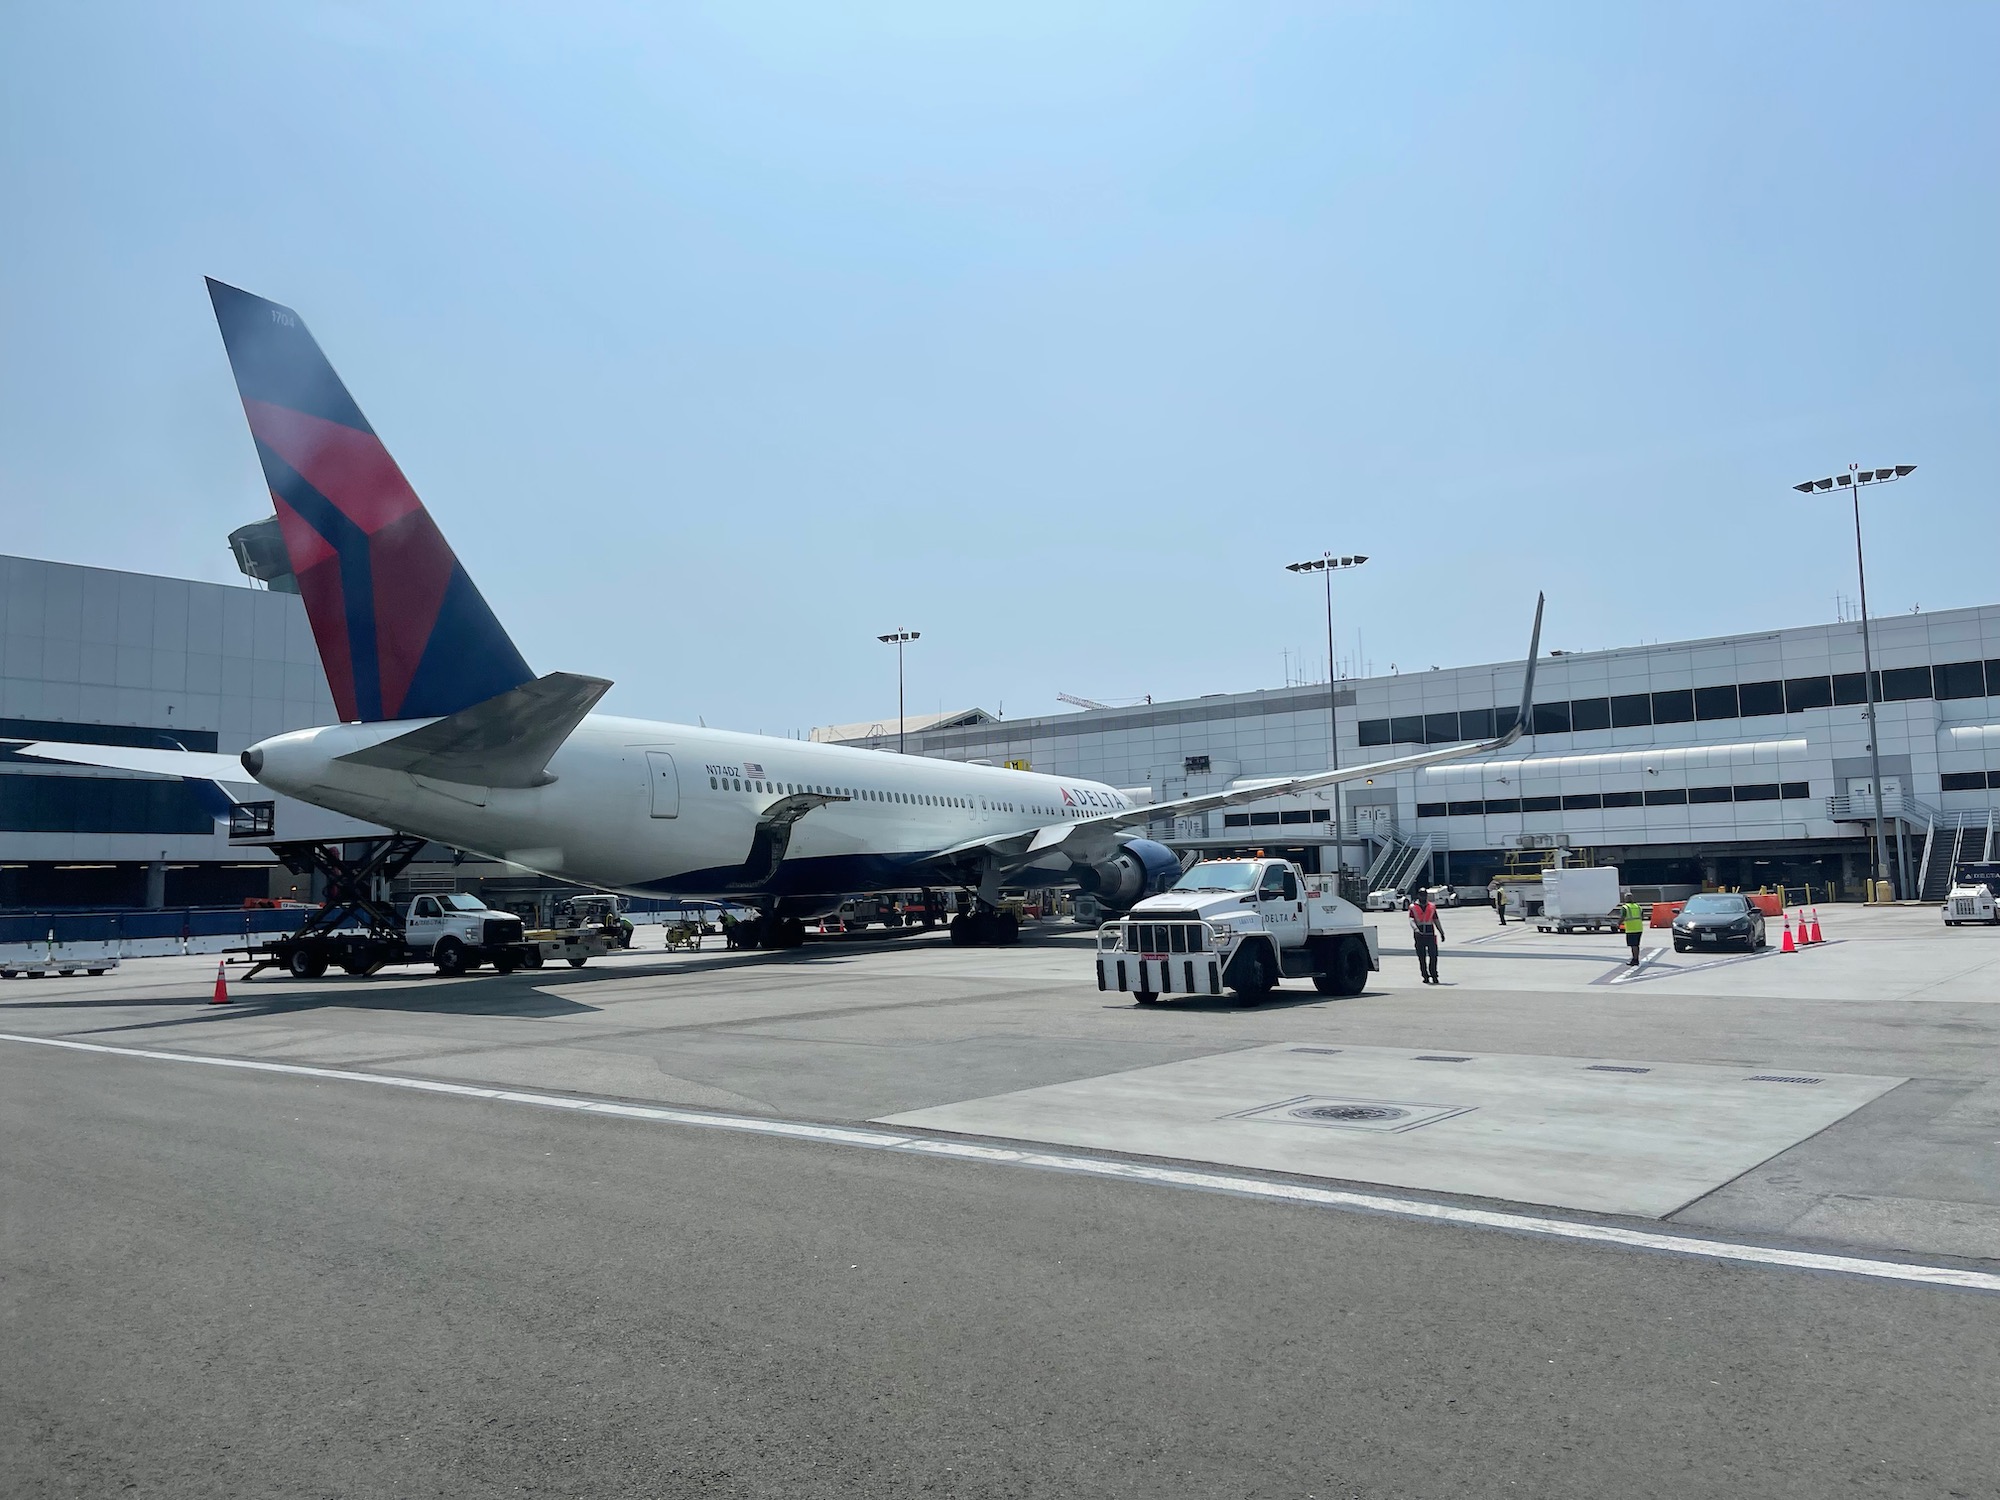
(455,931)
(1240,924)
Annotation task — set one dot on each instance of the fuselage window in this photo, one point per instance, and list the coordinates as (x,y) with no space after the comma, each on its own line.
(711,783)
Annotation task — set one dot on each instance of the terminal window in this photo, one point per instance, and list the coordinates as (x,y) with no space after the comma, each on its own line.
(1964,781)
(1901,684)
(1623,799)
(1961,679)
(1667,796)
(1541,804)
(1589,713)
(1582,802)
(1673,707)
(1760,698)
(1748,700)
(1716,702)
(94,804)
(1765,791)
(1430,809)
(1708,794)
(1632,710)
(1802,693)
(1793,791)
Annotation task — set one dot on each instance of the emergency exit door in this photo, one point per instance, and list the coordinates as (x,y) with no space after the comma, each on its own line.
(666,784)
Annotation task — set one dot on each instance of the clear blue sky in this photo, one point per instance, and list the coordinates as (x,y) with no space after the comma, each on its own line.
(720,339)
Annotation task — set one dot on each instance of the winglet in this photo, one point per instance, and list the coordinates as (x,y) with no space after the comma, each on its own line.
(1527,682)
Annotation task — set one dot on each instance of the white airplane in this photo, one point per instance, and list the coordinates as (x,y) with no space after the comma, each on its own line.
(448,735)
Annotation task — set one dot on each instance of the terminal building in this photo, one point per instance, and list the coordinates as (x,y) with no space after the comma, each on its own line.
(1735,761)
(1739,760)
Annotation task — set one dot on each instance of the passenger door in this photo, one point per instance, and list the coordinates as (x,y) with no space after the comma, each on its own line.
(666,784)
(1282,905)
(426,921)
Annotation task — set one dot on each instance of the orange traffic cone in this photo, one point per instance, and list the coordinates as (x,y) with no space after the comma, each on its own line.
(221,988)
(1815,938)
(1788,946)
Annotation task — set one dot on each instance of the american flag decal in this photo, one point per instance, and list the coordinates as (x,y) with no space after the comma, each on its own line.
(753,770)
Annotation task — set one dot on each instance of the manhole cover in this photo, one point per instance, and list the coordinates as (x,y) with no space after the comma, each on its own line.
(1351,1114)
(1331,1112)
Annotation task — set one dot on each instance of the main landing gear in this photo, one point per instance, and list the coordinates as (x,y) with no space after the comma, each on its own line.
(983,928)
(768,931)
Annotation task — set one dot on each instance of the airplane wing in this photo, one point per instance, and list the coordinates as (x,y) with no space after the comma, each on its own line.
(1030,844)
(197,765)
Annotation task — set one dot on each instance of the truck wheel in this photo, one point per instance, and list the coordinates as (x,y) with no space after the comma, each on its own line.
(1145,997)
(504,963)
(1348,974)
(356,963)
(305,962)
(450,957)
(579,961)
(534,958)
(1253,977)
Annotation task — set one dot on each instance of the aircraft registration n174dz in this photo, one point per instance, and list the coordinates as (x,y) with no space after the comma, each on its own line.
(447,734)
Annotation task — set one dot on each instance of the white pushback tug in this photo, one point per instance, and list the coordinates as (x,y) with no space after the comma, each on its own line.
(1241,925)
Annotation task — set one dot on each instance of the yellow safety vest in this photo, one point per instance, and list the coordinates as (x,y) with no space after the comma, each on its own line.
(1635,921)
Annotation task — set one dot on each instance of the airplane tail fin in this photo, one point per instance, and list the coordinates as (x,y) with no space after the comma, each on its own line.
(402,630)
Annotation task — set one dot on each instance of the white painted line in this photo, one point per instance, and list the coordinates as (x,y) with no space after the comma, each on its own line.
(1188,1178)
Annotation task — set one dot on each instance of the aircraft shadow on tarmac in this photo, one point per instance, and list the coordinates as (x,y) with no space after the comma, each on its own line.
(1277,1000)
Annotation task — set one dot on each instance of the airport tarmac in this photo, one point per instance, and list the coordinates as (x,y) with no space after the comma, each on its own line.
(1849,1093)
(1827,1110)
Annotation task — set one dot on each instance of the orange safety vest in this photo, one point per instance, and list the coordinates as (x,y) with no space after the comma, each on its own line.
(1423,914)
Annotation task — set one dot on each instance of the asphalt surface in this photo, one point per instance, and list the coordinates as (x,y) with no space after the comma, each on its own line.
(226,1283)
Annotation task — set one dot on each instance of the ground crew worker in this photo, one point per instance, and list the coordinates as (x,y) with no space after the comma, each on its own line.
(1635,925)
(1426,929)
(1500,903)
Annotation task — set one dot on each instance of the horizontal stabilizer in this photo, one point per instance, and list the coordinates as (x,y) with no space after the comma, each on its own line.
(505,741)
(196,765)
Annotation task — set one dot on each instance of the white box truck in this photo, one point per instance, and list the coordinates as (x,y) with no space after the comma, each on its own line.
(1586,900)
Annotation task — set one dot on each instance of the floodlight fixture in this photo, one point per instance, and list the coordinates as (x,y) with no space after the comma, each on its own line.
(1852,481)
(899,638)
(1327,564)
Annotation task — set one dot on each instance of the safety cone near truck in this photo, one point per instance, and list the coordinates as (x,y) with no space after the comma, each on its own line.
(1788,946)
(221,988)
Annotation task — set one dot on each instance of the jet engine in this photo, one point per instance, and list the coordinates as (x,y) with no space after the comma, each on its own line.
(1136,871)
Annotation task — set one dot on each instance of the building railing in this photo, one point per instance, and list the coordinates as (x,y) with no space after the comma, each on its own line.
(1860,808)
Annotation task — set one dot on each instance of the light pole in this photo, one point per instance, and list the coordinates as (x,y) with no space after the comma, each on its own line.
(899,639)
(1327,564)
(1852,481)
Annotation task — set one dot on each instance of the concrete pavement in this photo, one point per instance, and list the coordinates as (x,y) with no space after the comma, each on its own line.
(220,1283)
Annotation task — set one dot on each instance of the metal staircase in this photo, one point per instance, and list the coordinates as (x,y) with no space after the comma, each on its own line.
(1401,860)
(1952,839)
